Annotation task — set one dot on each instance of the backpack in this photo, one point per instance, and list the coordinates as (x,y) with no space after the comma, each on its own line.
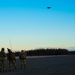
(22,56)
(11,56)
(2,55)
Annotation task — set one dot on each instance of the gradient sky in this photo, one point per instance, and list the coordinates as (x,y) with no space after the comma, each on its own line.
(28,24)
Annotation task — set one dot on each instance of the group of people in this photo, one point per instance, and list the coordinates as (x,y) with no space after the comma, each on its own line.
(10,56)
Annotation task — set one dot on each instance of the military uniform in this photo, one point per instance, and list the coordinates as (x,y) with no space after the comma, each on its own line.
(2,60)
(22,58)
(12,60)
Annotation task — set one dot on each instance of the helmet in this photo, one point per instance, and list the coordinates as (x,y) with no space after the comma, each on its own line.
(2,49)
(9,50)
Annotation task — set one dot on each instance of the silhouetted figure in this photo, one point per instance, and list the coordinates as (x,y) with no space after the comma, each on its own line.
(12,59)
(2,60)
(22,58)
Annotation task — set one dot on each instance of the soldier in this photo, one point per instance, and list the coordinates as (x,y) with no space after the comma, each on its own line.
(2,60)
(12,59)
(22,58)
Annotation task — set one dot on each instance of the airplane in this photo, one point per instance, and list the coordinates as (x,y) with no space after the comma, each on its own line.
(48,7)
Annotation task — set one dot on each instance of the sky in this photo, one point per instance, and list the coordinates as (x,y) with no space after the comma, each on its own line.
(28,24)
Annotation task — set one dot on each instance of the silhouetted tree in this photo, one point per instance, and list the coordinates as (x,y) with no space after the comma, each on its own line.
(41,51)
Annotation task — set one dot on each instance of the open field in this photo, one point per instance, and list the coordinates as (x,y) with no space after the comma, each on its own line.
(52,65)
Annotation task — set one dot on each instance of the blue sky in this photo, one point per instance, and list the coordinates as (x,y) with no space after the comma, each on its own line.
(28,24)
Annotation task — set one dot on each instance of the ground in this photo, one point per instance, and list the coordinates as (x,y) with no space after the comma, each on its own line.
(49,65)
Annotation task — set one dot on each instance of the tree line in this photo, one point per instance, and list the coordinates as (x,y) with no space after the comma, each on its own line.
(43,52)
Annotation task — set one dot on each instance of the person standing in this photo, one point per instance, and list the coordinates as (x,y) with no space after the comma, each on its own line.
(22,58)
(2,60)
(12,59)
